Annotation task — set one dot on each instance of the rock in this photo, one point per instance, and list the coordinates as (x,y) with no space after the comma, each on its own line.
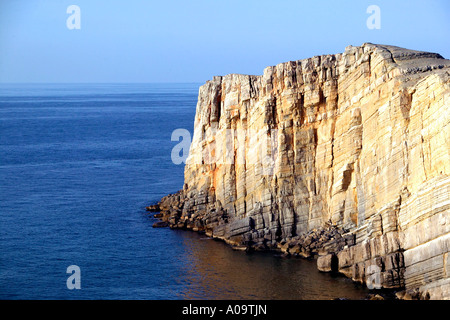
(400,294)
(295,250)
(307,241)
(327,263)
(350,239)
(180,225)
(152,208)
(305,254)
(346,153)
(375,297)
(160,224)
(260,247)
(285,248)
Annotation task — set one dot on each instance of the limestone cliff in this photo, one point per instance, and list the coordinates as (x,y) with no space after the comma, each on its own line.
(350,151)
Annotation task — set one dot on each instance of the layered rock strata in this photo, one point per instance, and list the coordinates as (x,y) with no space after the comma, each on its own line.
(351,150)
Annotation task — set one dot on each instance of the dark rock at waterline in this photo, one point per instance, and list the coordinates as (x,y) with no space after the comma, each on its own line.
(152,208)
(160,224)
(158,215)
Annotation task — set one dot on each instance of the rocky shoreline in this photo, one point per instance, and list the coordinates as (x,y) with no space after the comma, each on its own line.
(322,244)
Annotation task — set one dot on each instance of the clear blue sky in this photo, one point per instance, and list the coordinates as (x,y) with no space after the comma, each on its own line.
(191,41)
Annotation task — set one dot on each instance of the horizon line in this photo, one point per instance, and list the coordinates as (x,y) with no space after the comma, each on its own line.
(131,82)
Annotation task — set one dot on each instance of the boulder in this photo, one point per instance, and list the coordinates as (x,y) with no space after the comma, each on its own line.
(160,224)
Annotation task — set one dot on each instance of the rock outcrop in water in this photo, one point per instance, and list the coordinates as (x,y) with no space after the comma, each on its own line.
(345,157)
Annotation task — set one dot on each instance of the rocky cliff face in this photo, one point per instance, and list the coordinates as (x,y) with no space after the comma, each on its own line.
(343,156)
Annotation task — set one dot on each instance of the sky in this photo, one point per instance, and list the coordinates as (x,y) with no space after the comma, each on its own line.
(192,41)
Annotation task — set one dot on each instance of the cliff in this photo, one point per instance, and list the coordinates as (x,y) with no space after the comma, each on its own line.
(344,157)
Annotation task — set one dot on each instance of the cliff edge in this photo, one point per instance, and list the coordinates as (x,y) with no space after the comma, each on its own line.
(345,157)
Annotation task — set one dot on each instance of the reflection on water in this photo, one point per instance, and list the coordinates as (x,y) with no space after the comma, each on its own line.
(213,270)
(72,187)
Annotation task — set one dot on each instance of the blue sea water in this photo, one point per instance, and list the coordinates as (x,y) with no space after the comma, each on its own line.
(78,164)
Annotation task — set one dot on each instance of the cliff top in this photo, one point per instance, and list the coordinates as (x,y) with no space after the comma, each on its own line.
(407,60)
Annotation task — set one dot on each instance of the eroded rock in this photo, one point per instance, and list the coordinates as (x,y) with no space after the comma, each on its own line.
(343,156)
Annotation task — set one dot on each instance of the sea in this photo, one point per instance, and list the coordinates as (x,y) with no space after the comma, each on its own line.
(78,165)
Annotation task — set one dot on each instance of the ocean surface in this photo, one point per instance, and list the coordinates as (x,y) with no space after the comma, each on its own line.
(78,164)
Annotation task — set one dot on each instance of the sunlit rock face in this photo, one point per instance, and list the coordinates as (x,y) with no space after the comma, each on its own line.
(359,141)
